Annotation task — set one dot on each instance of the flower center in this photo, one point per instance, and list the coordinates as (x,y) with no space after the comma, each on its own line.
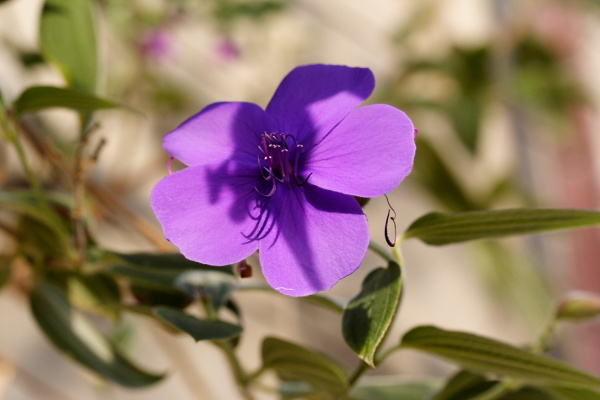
(279,160)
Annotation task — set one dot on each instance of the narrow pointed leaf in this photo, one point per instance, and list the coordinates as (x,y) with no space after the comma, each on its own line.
(25,204)
(68,39)
(394,391)
(463,385)
(294,363)
(68,330)
(42,97)
(195,327)
(567,393)
(5,270)
(168,262)
(368,316)
(440,229)
(483,355)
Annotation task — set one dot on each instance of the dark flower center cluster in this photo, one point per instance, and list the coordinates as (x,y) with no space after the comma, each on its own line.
(279,160)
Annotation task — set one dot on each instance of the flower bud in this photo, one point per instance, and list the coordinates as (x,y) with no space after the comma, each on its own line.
(579,305)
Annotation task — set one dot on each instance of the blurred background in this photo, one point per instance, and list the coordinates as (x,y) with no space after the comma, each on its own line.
(505,96)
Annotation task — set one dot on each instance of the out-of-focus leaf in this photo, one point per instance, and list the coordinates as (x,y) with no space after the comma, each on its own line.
(68,39)
(294,363)
(151,296)
(483,355)
(5,270)
(564,393)
(94,292)
(463,385)
(213,288)
(432,172)
(42,97)
(368,316)
(439,228)
(197,328)
(168,262)
(394,391)
(153,276)
(25,203)
(257,9)
(529,393)
(73,334)
(31,59)
(145,276)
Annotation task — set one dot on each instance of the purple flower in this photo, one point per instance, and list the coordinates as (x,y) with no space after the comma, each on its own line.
(282,180)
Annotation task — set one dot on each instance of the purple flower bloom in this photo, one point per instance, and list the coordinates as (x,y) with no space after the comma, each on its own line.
(282,180)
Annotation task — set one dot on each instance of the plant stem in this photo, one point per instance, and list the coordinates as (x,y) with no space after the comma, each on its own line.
(111,203)
(380,251)
(542,342)
(241,377)
(13,138)
(362,368)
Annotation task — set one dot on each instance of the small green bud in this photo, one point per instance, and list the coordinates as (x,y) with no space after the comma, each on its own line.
(579,305)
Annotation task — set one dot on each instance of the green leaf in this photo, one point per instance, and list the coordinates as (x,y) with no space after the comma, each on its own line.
(25,203)
(197,328)
(68,39)
(150,296)
(439,229)
(144,276)
(394,391)
(168,262)
(368,316)
(483,355)
(5,269)
(463,385)
(94,292)
(564,393)
(294,363)
(528,393)
(41,97)
(73,334)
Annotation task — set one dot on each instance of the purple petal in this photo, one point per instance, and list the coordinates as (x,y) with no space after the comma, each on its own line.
(312,99)
(320,238)
(220,132)
(205,212)
(368,154)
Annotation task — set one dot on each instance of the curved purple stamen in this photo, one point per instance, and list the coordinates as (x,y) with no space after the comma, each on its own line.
(278,156)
